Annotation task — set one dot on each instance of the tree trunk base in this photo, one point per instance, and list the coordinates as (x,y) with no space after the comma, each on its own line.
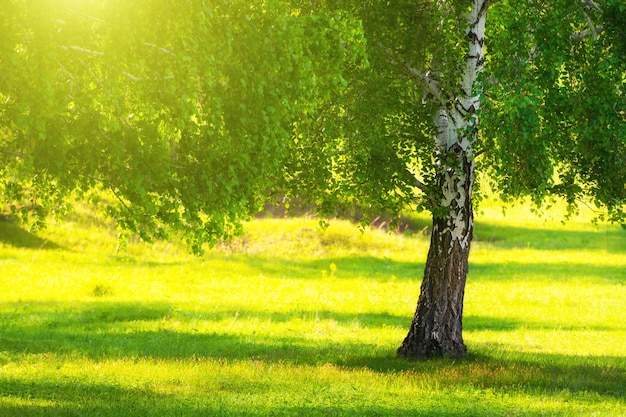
(437,327)
(425,349)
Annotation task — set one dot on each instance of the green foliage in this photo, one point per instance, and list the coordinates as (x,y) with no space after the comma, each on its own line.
(554,123)
(355,154)
(193,114)
(615,25)
(183,110)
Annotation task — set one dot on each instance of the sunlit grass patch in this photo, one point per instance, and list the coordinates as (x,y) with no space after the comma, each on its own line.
(291,319)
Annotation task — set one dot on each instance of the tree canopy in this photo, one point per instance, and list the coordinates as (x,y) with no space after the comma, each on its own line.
(190,113)
(183,110)
(553,108)
(556,113)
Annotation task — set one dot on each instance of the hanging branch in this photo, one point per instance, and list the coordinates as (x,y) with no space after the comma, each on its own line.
(592,5)
(159,48)
(593,30)
(83,50)
(11,152)
(429,84)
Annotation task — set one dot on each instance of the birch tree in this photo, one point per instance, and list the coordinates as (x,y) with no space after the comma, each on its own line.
(530,93)
(428,134)
(189,112)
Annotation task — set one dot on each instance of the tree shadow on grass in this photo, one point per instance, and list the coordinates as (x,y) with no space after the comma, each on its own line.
(14,235)
(535,377)
(80,398)
(101,330)
(118,329)
(341,267)
(74,397)
(545,272)
(611,239)
(106,331)
(501,324)
(383,269)
(513,372)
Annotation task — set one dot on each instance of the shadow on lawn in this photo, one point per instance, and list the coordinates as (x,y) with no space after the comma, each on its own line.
(545,272)
(101,331)
(611,239)
(346,267)
(117,329)
(514,372)
(14,235)
(536,376)
(538,380)
(78,398)
(384,270)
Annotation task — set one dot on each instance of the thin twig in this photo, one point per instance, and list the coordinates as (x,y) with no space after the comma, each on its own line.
(69,74)
(95,79)
(12,153)
(587,32)
(165,51)
(95,19)
(131,77)
(83,50)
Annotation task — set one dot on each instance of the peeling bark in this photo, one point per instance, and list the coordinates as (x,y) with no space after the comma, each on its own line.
(436,329)
(437,325)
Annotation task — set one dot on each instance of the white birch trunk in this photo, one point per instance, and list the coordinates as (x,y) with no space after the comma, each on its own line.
(436,329)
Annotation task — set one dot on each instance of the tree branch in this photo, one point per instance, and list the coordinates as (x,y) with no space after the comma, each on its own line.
(592,31)
(12,153)
(94,78)
(480,152)
(118,196)
(69,74)
(131,77)
(428,83)
(139,79)
(83,50)
(592,5)
(422,187)
(165,51)
(592,28)
(96,19)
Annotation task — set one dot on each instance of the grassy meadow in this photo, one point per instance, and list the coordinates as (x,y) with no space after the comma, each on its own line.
(292,320)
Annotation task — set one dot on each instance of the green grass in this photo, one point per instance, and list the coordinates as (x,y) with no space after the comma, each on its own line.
(292,320)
